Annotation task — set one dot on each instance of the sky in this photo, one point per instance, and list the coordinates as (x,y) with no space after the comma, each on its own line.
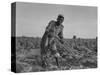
(32,19)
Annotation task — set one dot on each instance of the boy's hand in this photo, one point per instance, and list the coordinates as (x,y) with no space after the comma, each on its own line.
(62,41)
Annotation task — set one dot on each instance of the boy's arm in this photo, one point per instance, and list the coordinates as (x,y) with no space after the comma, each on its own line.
(60,35)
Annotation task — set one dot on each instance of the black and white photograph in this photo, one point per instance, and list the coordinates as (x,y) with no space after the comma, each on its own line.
(53,37)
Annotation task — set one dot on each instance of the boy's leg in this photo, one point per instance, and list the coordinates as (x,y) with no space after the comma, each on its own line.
(56,54)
